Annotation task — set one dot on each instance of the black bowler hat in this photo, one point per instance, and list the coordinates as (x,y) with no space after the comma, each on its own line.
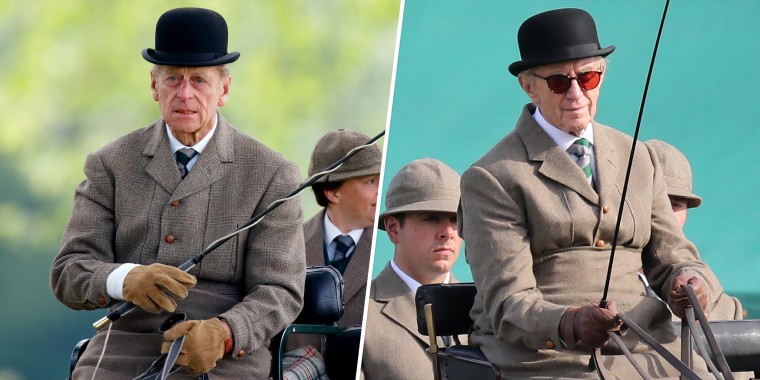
(190,37)
(558,35)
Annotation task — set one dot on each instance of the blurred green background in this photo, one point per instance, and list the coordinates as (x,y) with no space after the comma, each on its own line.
(73,80)
(454,99)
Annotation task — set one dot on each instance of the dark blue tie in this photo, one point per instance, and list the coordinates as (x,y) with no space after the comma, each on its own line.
(343,245)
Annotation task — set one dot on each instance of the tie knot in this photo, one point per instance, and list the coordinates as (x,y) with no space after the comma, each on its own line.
(582,141)
(343,243)
(184,155)
(579,147)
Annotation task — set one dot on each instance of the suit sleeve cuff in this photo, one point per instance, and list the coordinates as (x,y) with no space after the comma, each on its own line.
(115,280)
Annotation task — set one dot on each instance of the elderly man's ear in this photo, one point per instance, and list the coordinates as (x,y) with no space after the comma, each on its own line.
(527,86)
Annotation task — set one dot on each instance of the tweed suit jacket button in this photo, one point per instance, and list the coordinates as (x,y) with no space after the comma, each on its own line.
(606,209)
(241,353)
(600,243)
(169,238)
(175,203)
(550,344)
(101,300)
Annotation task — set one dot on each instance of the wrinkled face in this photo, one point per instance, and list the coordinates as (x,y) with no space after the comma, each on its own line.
(680,207)
(427,244)
(572,111)
(353,204)
(188,98)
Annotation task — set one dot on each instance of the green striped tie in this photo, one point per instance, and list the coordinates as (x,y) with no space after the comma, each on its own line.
(580,149)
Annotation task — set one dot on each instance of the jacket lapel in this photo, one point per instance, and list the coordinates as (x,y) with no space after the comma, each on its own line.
(555,163)
(162,167)
(358,266)
(399,302)
(609,176)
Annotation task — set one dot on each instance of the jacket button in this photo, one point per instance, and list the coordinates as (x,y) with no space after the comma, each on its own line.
(169,238)
(175,203)
(101,301)
(600,243)
(241,353)
(550,344)
(606,209)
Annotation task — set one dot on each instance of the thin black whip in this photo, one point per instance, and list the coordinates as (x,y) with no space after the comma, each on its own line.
(595,364)
(603,302)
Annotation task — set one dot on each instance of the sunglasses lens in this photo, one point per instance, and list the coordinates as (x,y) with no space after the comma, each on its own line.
(558,83)
(589,80)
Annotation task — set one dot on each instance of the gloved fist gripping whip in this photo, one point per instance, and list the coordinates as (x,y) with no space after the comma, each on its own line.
(205,343)
(589,325)
(155,287)
(677,298)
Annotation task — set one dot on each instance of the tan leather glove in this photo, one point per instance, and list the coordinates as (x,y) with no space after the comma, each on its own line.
(153,287)
(205,343)
(678,300)
(589,325)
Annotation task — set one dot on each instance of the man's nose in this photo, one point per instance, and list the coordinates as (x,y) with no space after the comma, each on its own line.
(575,91)
(449,230)
(185,89)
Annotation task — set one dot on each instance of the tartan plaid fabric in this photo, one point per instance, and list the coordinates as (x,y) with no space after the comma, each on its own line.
(304,363)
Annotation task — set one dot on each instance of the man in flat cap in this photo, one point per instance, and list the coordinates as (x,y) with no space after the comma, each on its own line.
(676,171)
(341,233)
(539,212)
(160,195)
(421,221)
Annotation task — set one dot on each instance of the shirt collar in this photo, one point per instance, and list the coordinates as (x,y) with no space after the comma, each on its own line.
(199,147)
(562,138)
(331,231)
(409,281)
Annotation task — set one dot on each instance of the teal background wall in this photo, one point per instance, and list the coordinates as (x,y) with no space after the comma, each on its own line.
(454,99)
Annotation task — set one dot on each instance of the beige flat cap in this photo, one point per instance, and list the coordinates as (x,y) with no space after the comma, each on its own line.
(676,170)
(422,185)
(334,145)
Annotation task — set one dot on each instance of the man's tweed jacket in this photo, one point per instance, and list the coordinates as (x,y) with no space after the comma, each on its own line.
(538,241)
(133,207)
(354,278)
(393,348)
(356,273)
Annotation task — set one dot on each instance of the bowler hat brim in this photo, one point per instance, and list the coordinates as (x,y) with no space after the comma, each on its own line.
(189,59)
(519,66)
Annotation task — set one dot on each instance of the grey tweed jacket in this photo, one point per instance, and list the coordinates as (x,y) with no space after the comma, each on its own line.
(133,207)
(538,241)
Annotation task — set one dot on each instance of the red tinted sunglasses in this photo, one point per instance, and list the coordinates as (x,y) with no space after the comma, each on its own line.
(560,83)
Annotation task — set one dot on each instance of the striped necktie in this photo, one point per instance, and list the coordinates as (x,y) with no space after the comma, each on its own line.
(580,150)
(343,245)
(184,156)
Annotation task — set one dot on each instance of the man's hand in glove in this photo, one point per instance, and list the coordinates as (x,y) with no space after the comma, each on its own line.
(677,298)
(154,287)
(589,325)
(205,343)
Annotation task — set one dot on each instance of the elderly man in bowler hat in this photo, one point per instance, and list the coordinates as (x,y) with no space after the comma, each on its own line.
(539,212)
(160,195)
(676,171)
(421,221)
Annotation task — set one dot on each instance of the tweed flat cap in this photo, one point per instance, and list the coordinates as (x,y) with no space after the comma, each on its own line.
(676,170)
(422,185)
(334,145)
